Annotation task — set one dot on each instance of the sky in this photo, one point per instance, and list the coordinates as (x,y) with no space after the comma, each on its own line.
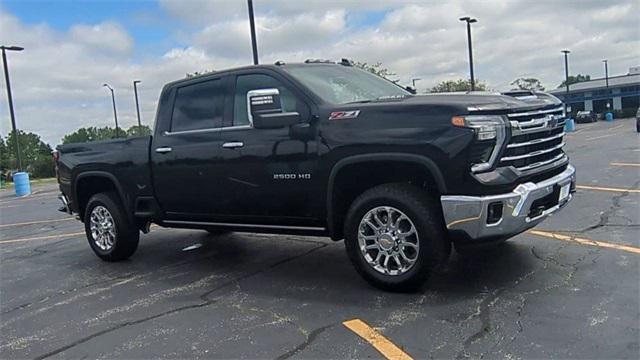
(73,47)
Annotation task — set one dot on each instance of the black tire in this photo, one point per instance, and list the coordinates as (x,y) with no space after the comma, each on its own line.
(127,234)
(423,211)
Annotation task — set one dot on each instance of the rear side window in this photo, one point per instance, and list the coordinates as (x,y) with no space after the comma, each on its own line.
(198,106)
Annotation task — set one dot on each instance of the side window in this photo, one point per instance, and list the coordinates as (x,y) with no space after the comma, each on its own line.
(246,83)
(198,106)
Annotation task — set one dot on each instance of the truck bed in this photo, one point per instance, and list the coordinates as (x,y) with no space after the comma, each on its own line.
(126,160)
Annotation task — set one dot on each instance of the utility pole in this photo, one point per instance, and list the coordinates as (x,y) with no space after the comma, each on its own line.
(135,92)
(470,21)
(252,26)
(566,77)
(11,112)
(606,72)
(113,101)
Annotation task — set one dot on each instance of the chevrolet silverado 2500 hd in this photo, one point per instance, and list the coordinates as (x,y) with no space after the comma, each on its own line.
(330,150)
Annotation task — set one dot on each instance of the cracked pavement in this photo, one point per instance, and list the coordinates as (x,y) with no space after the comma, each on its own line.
(247,295)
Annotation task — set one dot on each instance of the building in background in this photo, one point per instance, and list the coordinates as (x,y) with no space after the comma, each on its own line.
(622,95)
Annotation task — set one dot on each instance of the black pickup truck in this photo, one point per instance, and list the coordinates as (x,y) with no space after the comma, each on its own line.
(327,149)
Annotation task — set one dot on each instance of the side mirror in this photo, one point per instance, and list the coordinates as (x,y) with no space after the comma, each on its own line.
(265,110)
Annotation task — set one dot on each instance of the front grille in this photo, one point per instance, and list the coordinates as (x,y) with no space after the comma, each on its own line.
(537,138)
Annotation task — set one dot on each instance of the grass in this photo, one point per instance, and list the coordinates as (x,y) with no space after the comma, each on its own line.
(9,185)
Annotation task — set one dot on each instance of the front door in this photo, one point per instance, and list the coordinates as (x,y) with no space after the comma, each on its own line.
(269,176)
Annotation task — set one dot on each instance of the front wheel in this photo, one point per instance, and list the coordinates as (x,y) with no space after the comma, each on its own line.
(111,235)
(394,236)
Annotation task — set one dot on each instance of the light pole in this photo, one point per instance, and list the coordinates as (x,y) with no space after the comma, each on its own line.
(606,72)
(113,101)
(135,92)
(252,26)
(470,21)
(606,79)
(566,77)
(413,81)
(11,112)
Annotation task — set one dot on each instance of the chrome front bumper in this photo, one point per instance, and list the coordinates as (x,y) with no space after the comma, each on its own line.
(469,214)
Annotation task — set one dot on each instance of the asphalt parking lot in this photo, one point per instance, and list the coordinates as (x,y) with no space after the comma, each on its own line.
(569,289)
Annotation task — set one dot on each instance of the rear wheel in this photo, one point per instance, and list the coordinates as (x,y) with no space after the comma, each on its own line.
(394,236)
(111,235)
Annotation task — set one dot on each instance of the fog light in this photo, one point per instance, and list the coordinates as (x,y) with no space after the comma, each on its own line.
(494,212)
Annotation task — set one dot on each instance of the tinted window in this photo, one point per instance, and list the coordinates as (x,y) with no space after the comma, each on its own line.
(246,83)
(198,106)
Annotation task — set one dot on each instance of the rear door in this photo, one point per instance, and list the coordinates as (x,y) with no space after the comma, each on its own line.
(184,153)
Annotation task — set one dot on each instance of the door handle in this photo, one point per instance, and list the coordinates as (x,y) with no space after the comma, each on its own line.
(163,150)
(233,145)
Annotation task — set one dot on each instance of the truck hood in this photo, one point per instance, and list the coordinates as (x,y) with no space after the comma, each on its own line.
(486,101)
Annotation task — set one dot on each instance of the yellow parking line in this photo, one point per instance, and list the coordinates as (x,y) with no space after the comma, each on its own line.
(59,236)
(616,127)
(624,164)
(585,241)
(388,349)
(598,188)
(36,222)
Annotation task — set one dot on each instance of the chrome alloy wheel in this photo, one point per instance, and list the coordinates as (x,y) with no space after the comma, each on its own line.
(103,229)
(388,240)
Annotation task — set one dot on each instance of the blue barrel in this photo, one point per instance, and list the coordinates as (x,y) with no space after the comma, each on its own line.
(609,116)
(21,182)
(570,125)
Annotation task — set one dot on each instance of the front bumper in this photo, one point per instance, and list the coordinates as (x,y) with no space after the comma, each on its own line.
(469,217)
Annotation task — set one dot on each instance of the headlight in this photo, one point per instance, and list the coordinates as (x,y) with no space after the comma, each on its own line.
(486,127)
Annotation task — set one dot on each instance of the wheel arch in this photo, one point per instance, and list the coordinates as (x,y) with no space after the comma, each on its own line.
(90,183)
(335,209)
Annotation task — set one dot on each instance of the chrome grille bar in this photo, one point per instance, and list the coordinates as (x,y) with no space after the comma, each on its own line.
(536,112)
(532,154)
(542,163)
(536,141)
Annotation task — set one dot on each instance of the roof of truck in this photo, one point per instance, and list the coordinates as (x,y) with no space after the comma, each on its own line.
(276,65)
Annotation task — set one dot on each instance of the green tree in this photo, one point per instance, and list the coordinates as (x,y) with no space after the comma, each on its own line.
(89,134)
(34,153)
(458,85)
(142,130)
(377,69)
(575,79)
(527,84)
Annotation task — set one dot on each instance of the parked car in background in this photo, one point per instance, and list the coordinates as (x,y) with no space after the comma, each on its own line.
(586,117)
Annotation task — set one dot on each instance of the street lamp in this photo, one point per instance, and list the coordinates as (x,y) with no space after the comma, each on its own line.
(606,72)
(113,101)
(252,26)
(606,79)
(11,112)
(566,77)
(135,92)
(469,21)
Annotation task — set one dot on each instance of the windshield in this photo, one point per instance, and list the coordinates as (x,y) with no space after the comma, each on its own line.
(344,84)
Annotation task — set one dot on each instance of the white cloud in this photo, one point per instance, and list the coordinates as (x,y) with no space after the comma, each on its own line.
(57,79)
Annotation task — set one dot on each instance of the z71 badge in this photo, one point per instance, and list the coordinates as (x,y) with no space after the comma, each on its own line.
(340,115)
